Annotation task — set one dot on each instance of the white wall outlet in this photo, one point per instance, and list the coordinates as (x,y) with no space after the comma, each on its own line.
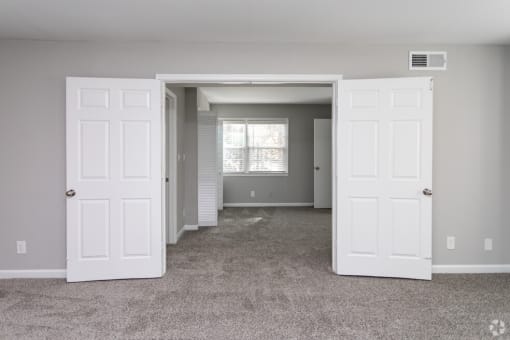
(252,193)
(450,242)
(21,247)
(487,244)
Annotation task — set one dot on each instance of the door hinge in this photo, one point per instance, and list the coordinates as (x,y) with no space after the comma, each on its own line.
(431,84)
(167,180)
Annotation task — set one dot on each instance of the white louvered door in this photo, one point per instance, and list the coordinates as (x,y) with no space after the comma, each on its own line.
(114,179)
(384,164)
(207,169)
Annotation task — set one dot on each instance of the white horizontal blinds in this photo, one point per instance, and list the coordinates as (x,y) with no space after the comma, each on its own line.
(267,146)
(234,146)
(255,146)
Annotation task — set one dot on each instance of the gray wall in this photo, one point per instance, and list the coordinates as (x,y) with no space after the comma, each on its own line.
(470,150)
(191,158)
(298,185)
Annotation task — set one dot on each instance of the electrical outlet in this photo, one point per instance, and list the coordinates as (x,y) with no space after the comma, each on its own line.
(252,193)
(21,247)
(487,244)
(450,242)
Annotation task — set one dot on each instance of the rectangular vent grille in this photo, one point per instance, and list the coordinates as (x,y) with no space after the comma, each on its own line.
(427,60)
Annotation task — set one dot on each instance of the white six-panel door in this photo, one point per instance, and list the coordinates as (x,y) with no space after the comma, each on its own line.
(384,165)
(114,170)
(322,163)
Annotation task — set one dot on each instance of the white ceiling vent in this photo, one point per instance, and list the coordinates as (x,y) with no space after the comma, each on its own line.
(419,60)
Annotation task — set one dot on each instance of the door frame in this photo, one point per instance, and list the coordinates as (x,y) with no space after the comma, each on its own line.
(335,80)
(170,128)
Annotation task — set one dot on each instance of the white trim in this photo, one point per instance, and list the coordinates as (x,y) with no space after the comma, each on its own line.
(257,205)
(334,79)
(179,234)
(190,227)
(239,79)
(255,174)
(470,268)
(33,274)
(170,156)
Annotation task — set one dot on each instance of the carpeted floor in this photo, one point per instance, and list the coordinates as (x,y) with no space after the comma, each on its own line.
(262,274)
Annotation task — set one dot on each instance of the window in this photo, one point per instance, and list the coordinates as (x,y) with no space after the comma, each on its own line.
(255,146)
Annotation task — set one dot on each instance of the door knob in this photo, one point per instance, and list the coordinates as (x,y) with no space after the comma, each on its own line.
(427,192)
(70,193)
(317,168)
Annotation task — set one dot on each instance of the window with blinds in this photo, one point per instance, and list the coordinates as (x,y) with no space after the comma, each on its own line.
(255,146)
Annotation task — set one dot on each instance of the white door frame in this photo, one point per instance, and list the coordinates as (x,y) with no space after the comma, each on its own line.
(170,127)
(335,80)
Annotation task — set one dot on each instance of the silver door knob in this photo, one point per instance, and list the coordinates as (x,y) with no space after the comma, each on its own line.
(70,193)
(427,192)
(317,168)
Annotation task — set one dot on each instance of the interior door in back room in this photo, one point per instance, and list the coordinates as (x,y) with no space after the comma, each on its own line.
(322,139)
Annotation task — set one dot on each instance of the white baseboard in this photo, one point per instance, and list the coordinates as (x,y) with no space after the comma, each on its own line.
(259,205)
(190,227)
(436,269)
(470,268)
(33,274)
(179,234)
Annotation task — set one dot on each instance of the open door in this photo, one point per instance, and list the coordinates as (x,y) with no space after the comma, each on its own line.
(322,163)
(207,169)
(219,164)
(384,164)
(114,179)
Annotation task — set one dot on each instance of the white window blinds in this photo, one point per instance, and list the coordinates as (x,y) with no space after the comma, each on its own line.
(255,146)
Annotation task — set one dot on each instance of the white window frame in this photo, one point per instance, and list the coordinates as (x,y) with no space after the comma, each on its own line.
(246,120)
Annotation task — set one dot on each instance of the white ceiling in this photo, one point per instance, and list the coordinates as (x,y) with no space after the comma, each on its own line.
(319,21)
(267,95)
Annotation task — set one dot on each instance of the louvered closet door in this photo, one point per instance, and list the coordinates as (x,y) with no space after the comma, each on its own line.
(114,179)
(207,169)
(384,171)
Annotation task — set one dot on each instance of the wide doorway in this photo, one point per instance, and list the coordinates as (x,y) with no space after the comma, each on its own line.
(381,162)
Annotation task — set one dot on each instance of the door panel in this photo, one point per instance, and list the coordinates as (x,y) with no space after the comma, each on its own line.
(207,169)
(219,164)
(322,163)
(384,163)
(114,166)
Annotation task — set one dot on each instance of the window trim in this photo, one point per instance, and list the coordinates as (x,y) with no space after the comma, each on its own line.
(257,173)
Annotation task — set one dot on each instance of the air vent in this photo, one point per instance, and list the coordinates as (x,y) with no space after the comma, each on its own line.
(434,61)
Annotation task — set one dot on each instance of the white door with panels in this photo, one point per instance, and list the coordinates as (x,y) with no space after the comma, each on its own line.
(322,163)
(207,169)
(384,162)
(114,179)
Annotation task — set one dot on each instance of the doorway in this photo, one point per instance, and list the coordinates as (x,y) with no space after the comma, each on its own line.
(384,136)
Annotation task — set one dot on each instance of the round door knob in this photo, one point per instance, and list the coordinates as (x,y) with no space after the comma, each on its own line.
(317,168)
(427,192)
(70,193)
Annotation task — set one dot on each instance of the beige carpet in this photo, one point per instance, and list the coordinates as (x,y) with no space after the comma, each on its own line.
(262,274)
